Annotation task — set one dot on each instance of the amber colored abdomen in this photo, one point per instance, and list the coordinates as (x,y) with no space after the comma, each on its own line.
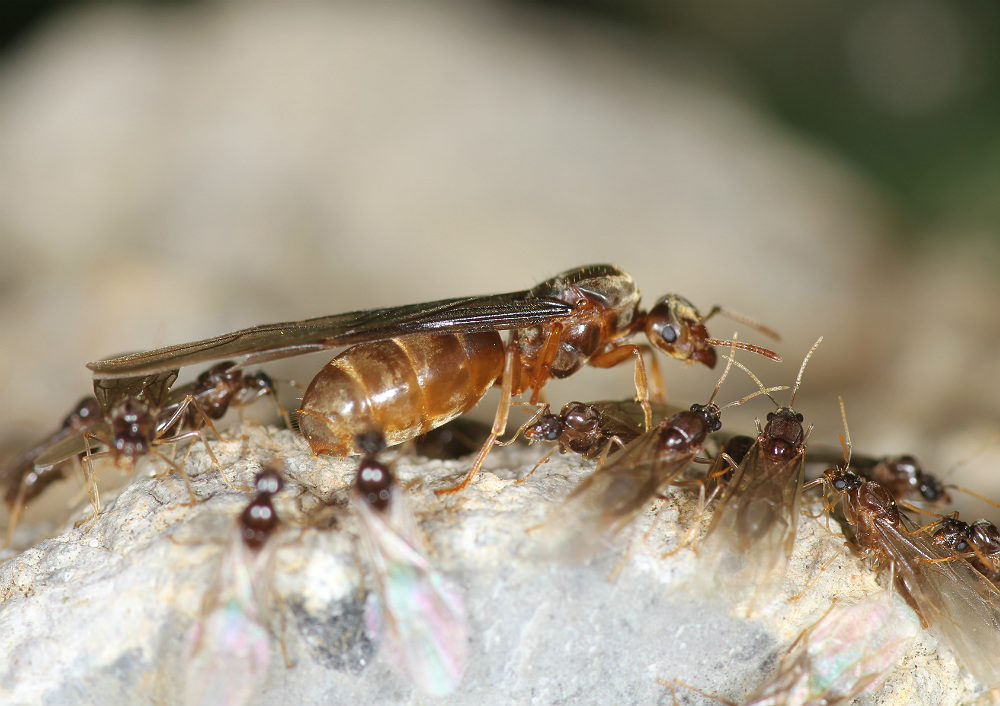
(402,387)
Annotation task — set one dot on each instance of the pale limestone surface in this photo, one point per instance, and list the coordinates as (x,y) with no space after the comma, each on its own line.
(98,615)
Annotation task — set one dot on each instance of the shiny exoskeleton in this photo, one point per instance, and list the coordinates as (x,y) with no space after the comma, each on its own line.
(130,417)
(733,452)
(374,481)
(753,528)
(403,387)
(904,478)
(212,394)
(783,435)
(258,521)
(613,495)
(752,531)
(689,429)
(589,429)
(148,412)
(131,407)
(902,475)
(228,651)
(407,386)
(122,417)
(727,459)
(978,543)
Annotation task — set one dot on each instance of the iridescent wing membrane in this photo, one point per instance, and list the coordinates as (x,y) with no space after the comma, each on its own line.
(848,652)
(753,529)
(951,596)
(418,617)
(613,495)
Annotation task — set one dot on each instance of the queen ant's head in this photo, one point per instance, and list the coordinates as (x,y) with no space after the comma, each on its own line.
(675,327)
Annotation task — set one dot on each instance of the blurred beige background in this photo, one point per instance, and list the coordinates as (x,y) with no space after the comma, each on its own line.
(171,173)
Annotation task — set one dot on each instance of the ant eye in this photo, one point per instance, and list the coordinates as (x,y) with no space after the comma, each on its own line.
(961,546)
(840,484)
(770,416)
(799,417)
(669,333)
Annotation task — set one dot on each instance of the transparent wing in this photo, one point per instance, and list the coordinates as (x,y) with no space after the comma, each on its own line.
(151,388)
(951,596)
(753,528)
(626,419)
(417,616)
(17,470)
(612,496)
(69,445)
(266,342)
(228,652)
(846,653)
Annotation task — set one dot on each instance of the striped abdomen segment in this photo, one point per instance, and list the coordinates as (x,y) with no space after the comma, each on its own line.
(402,387)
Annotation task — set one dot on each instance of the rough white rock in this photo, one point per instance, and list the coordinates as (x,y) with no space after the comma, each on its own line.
(97,615)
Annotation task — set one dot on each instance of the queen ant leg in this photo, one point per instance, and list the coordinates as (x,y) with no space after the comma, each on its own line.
(546,358)
(658,392)
(499,421)
(615,356)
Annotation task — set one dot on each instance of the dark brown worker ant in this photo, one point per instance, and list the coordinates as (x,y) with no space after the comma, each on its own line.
(21,481)
(945,591)
(414,613)
(978,543)
(135,421)
(902,475)
(228,651)
(130,418)
(590,429)
(752,530)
